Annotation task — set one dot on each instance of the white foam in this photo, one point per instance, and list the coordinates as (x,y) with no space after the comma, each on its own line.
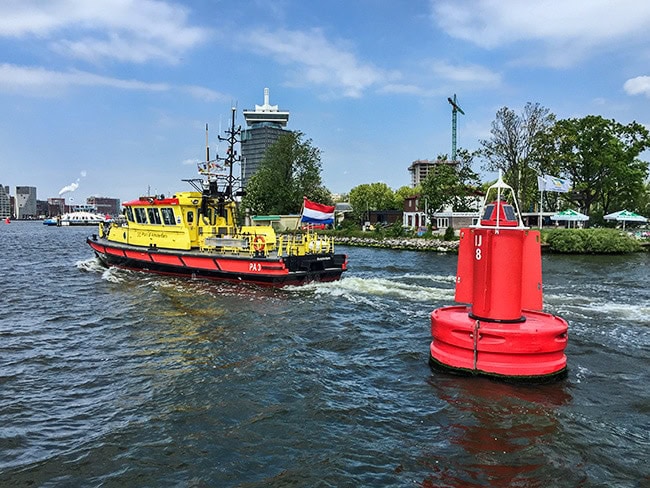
(355,289)
(91,265)
(113,275)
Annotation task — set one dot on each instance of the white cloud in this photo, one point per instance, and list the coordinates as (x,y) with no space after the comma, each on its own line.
(567,30)
(205,94)
(37,81)
(638,86)
(468,73)
(125,30)
(317,61)
(46,82)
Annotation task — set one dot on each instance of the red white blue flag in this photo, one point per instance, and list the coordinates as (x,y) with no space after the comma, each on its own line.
(317,213)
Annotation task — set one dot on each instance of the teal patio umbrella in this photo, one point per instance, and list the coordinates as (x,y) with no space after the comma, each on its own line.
(625,216)
(570,216)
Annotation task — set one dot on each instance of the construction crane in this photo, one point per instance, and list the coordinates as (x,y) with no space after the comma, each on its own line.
(454,116)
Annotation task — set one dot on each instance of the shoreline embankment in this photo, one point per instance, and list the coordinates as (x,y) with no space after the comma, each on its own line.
(400,243)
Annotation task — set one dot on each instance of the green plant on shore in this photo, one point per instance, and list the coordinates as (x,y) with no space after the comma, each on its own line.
(590,241)
(450,235)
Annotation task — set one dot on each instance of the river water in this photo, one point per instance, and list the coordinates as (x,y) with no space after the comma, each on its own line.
(113,378)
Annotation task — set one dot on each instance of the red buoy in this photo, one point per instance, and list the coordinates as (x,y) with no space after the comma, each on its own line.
(503,331)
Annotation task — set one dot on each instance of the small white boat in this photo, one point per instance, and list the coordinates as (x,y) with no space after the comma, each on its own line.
(75,218)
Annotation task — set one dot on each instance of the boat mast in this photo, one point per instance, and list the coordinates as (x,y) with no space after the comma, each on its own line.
(232,137)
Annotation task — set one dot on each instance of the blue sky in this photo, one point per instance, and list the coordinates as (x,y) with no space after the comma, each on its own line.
(111,97)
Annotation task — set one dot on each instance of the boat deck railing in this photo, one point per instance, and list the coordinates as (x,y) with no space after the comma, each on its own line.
(299,245)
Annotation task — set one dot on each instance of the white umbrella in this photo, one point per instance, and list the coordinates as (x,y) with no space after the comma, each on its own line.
(625,216)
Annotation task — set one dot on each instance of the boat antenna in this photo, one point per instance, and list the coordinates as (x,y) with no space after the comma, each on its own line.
(232,137)
(207,145)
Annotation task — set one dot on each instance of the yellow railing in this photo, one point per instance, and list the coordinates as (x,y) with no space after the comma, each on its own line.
(299,245)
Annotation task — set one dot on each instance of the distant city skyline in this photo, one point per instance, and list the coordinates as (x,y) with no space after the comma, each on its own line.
(111,98)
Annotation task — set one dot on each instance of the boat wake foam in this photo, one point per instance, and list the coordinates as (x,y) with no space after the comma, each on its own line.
(92,265)
(356,289)
(586,307)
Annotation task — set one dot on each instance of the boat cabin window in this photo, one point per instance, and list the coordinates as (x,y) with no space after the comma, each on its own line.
(140,215)
(510,212)
(154,216)
(190,217)
(129,213)
(168,216)
(487,215)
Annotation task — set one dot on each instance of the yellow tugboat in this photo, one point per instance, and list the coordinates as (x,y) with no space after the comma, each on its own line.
(195,234)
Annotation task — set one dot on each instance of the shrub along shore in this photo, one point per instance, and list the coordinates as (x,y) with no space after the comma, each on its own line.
(567,241)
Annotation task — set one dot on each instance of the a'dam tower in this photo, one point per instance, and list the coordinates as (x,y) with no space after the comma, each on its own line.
(265,125)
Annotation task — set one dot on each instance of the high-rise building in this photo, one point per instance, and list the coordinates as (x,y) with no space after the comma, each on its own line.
(5,202)
(26,202)
(421,168)
(266,124)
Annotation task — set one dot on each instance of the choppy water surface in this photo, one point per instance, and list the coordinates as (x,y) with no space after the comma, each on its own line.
(112,378)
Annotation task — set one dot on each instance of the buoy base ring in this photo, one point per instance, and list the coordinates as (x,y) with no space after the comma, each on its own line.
(524,350)
(436,365)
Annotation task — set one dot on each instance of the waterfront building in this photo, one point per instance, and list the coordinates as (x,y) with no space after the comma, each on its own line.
(55,206)
(42,208)
(105,205)
(5,203)
(265,125)
(416,216)
(26,202)
(415,213)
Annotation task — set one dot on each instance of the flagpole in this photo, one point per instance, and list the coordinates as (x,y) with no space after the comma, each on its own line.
(302,209)
(541,202)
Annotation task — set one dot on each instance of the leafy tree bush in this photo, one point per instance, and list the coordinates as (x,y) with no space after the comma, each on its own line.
(590,241)
(289,171)
(450,235)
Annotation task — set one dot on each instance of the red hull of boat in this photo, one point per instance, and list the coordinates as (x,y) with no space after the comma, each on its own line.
(291,270)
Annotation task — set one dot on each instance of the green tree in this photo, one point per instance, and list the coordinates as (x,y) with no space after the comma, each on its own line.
(600,157)
(512,149)
(371,196)
(644,201)
(290,170)
(451,183)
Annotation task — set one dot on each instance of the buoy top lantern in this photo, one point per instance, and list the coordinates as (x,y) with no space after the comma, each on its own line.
(500,213)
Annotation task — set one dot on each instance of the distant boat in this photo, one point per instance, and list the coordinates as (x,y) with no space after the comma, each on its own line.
(75,219)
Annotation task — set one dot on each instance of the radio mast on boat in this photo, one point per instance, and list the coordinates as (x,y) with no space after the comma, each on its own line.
(232,137)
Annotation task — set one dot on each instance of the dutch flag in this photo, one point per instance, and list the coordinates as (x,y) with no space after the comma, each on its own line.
(317,213)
